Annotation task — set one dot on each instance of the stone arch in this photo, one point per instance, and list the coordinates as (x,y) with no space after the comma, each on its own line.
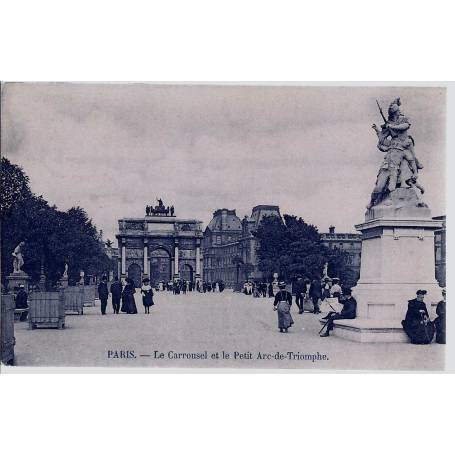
(135,273)
(186,272)
(160,265)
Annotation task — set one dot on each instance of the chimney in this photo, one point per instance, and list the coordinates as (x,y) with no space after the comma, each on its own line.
(332,229)
(224,214)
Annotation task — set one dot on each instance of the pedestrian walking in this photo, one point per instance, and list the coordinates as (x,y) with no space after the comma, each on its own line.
(128,301)
(282,305)
(299,291)
(103,294)
(315,294)
(147,295)
(116,292)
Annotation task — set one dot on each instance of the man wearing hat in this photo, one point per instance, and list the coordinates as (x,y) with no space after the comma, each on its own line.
(282,304)
(103,294)
(417,324)
(21,302)
(440,321)
(116,291)
(299,288)
(348,312)
(315,294)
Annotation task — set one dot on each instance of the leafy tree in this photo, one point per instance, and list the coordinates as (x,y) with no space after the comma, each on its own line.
(52,237)
(293,248)
(15,186)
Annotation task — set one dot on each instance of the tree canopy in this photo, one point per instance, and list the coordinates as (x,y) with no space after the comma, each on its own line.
(51,236)
(294,247)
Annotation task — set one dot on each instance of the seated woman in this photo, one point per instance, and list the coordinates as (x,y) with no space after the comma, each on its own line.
(417,324)
(348,312)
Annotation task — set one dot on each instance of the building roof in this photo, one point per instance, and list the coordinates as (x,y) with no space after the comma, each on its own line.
(260,211)
(225,220)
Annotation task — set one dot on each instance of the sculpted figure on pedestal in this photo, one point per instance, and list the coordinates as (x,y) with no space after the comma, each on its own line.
(18,260)
(400,166)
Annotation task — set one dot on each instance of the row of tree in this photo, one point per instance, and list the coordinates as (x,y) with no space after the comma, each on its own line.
(292,247)
(52,237)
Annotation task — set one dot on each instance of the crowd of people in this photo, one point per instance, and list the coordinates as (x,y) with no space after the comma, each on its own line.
(123,294)
(179,286)
(417,323)
(314,293)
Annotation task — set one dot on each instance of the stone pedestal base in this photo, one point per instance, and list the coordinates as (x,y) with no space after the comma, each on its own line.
(397,260)
(15,279)
(370,330)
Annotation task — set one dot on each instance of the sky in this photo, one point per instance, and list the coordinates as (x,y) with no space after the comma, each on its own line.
(114,148)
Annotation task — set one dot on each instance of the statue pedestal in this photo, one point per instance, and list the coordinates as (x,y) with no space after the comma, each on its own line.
(17,278)
(64,282)
(397,260)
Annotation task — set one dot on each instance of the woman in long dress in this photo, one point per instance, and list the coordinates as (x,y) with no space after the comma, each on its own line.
(147,295)
(128,302)
(282,304)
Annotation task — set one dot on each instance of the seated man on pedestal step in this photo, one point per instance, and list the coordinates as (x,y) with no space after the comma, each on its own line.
(417,324)
(348,312)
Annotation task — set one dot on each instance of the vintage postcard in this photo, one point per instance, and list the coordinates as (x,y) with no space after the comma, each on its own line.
(233,226)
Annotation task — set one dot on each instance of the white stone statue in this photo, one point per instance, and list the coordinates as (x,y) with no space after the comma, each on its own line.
(325,270)
(18,260)
(65,271)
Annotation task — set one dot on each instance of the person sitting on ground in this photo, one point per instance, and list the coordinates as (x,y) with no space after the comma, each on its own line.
(348,312)
(21,302)
(282,304)
(416,323)
(440,321)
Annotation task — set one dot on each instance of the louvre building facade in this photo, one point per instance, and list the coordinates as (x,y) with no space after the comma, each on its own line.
(229,247)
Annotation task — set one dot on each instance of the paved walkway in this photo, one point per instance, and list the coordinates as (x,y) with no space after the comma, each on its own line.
(207,325)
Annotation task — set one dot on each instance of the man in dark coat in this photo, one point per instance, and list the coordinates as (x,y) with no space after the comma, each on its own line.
(21,302)
(299,290)
(315,295)
(348,312)
(103,294)
(440,321)
(417,324)
(116,291)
